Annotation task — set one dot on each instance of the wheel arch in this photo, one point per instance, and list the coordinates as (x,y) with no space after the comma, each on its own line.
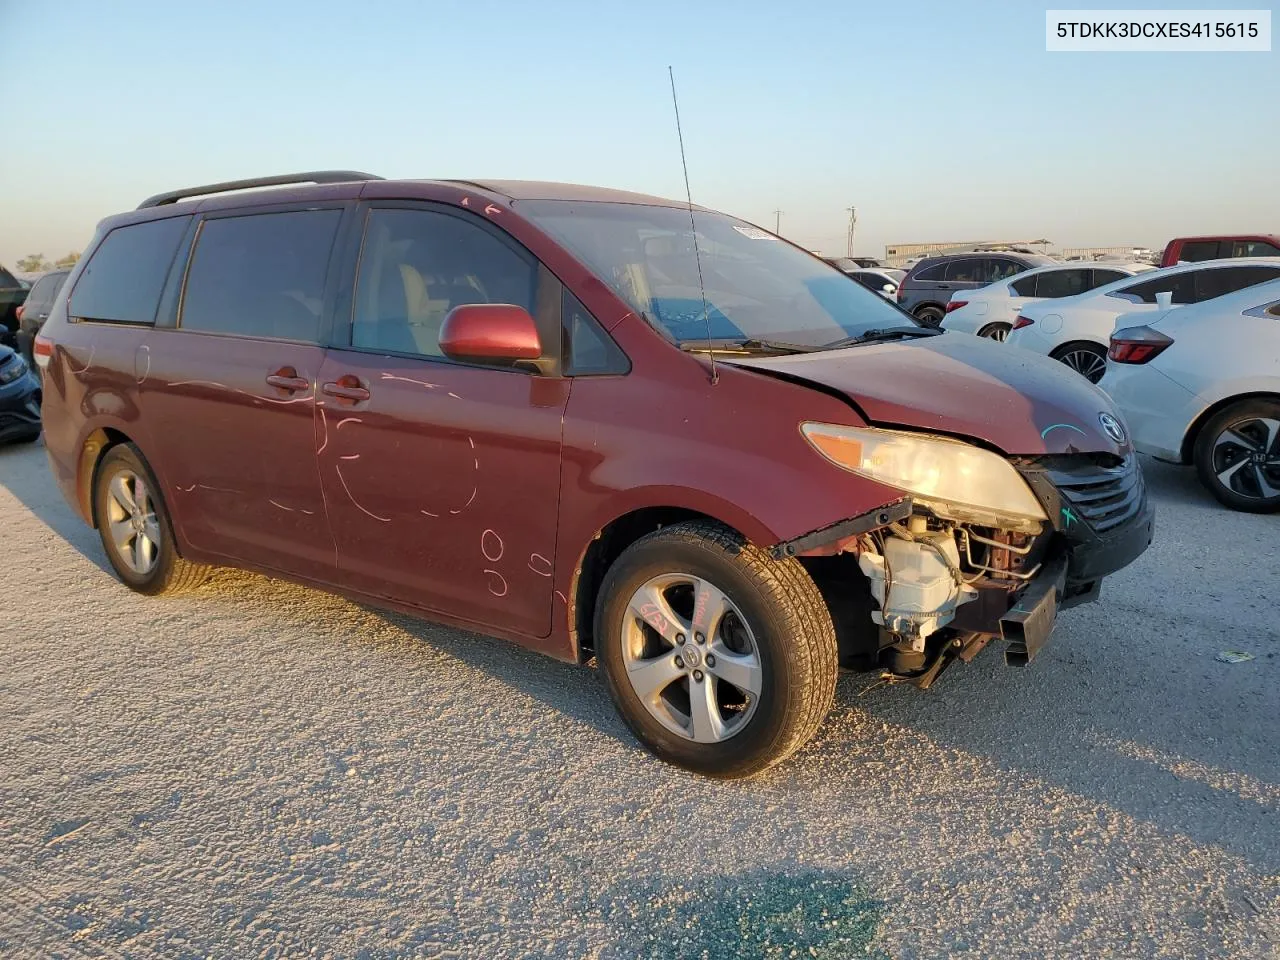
(92,450)
(1187,452)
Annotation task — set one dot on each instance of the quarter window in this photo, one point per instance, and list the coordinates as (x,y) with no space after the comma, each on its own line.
(1106,276)
(1026,287)
(417,265)
(1181,285)
(1254,248)
(260,275)
(121,283)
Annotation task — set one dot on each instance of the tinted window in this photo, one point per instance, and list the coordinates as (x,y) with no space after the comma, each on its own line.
(1062,283)
(965,270)
(1026,287)
(1198,250)
(872,281)
(7,279)
(1106,276)
(1224,280)
(934,272)
(123,278)
(1181,285)
(417,266)
(589,349)
(45,290)
(1001,269)
(260,275)
(1254,248)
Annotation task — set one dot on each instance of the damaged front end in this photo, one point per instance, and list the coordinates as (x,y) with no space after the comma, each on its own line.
(990,554)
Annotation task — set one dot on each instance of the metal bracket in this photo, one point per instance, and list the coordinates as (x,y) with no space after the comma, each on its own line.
(871,520)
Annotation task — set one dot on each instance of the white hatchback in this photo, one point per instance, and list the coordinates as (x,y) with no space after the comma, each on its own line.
(1201,384)
(1076,329)
(990,311)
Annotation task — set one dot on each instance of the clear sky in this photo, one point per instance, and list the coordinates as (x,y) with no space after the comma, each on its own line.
(940,120)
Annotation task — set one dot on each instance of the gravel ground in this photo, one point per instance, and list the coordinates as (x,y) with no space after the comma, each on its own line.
(262,770)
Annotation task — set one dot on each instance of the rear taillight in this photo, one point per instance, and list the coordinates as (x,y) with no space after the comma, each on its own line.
(18,313)
(1137,345)
(42,351)
(956,305)
(1021,322)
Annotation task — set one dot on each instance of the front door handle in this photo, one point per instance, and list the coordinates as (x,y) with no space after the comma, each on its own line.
(287,379)
(346,388)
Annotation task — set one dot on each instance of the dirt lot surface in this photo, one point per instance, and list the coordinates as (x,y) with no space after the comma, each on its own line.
(262,770)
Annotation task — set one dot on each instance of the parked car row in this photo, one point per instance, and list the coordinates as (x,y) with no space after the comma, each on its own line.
(530,410)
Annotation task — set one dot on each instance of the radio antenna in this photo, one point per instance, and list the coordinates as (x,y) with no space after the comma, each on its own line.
(693,227)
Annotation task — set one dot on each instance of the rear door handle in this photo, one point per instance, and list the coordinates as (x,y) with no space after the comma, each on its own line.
(345,388)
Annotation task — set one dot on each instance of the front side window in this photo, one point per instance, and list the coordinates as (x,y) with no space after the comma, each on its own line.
(122,281)
(260,275)
(757,286)
(1254,248)
(1055,284)
(1002,269)
(417,265)
(967,270)
(1220,281)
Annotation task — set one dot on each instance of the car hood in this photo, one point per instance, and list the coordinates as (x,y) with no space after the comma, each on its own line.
(1011,399)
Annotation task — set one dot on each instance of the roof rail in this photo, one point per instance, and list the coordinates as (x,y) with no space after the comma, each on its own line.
(315,176)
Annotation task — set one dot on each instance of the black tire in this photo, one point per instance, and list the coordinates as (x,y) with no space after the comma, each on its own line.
(930,315)
(169,572)
(1243,490)
(995,331)
(785,613)
(1077,354)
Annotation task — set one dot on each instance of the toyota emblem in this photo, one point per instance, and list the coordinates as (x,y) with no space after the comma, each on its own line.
(1113,427)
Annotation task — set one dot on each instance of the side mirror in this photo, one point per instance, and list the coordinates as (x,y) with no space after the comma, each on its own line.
(490,331)
(1164,299)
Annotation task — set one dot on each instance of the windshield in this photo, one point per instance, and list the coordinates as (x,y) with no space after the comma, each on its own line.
(758,287)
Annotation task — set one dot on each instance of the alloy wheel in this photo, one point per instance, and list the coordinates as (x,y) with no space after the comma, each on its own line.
(1246,458)
(999,332)
(691,657)
(131,520)
(1085,362)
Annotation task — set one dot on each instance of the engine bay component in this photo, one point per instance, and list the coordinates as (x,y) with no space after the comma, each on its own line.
(917,581)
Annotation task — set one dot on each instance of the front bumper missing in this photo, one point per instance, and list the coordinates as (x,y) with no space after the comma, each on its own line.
(1027,626)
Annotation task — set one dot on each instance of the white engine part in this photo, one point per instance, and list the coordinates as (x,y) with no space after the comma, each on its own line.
(923,593)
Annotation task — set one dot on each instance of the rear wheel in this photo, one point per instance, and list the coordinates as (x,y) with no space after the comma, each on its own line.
(1087,359)
(718,658)
(1237,455)
(135,528)
(930,316)
(995,331)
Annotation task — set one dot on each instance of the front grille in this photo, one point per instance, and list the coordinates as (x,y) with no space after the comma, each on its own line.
(1100,490)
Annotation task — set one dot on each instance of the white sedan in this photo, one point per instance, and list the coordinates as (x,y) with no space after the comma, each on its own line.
(990,311)
(1076,329)
(1201,384)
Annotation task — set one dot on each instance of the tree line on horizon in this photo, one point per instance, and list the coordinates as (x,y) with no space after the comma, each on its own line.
(38,263)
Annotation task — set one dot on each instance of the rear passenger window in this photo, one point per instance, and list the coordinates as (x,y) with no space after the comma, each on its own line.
(260,275)
(1199,250)
(417,265)
(122,281)
(44,290)
(1062,283)
(934,272)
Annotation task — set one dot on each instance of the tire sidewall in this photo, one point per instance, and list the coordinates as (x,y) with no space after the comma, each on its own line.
(650,558)
(126,457)
(930,316)
(1244,410)
(1075,346)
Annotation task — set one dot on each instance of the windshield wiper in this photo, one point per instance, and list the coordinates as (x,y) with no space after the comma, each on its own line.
(886,333)
(749,345)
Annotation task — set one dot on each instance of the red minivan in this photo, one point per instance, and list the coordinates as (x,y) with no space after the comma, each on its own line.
(600,424)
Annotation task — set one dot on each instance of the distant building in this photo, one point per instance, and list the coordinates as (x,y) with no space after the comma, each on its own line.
(1138,254)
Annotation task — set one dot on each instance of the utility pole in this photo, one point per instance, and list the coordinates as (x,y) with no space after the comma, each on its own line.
(777,222)
(853,222)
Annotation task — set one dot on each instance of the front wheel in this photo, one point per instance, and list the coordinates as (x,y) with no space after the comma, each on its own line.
(135,528)
(718,658)
(1087,359)
(1237,455)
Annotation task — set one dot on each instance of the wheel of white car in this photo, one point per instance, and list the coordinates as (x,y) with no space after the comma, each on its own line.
(719,658)
(996,331)
(1087,359)
(1237,455)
